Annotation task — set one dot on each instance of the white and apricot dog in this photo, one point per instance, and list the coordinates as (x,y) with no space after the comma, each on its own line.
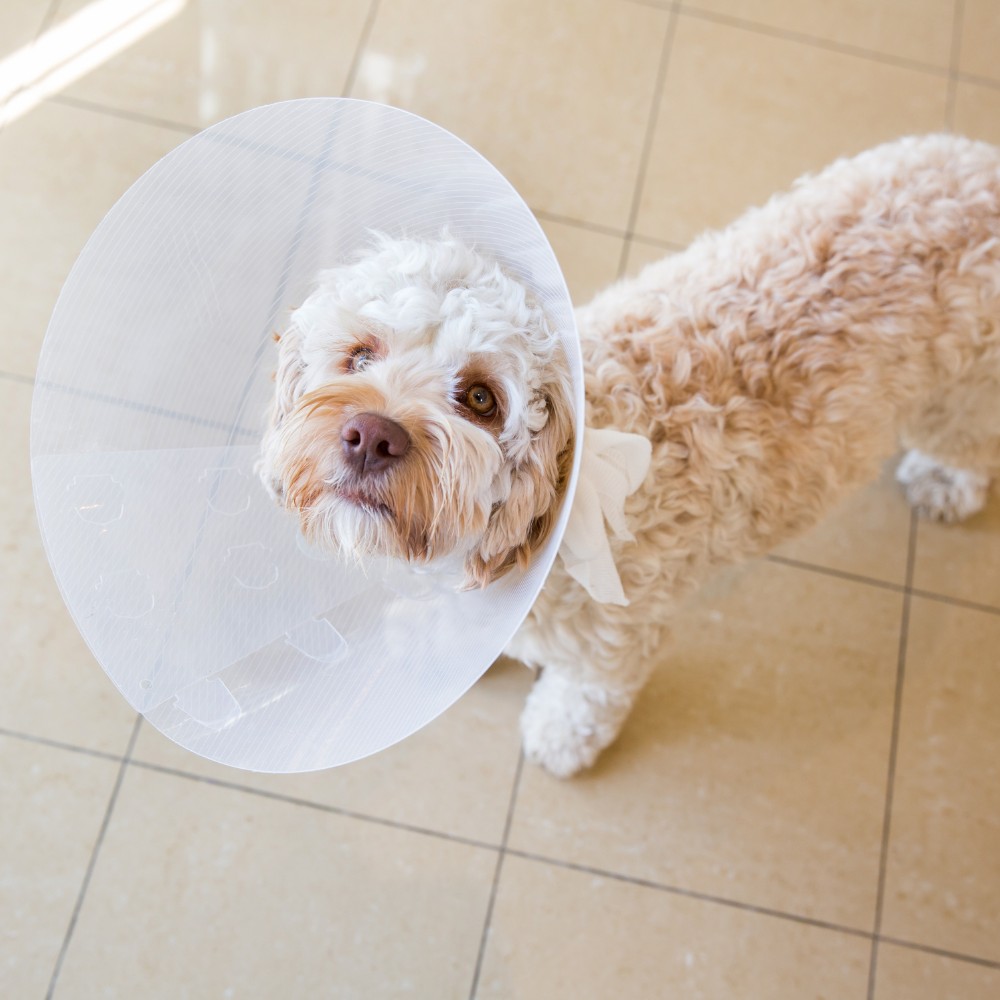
(422,404)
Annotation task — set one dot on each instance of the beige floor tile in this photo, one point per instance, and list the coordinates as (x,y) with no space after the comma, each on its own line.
(207,892)
(19,22)
(568,934)
(51,684)
(730,136)
(61,169)
(754,765)
(868,534)
(640,254)
(943,876)
(454,776)
(960,560)
(52,803)
(980,38)
(977,112)
(209,60)
(556,93)
(905,974)
(920,30)
(589,260)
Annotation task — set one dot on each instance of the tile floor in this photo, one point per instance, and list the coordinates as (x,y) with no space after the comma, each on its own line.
(807,803)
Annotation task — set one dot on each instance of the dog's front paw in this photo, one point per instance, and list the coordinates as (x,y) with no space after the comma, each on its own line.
(939,492)
(565,725)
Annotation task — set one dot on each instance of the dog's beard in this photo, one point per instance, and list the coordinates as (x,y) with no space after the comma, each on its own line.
(436,501)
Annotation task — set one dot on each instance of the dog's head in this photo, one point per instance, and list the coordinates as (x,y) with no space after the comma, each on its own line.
(423,408)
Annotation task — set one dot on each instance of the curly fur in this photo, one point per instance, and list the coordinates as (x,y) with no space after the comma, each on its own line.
(774,366)
(433,319)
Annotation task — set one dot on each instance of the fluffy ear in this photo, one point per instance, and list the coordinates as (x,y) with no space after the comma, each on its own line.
(521,524)
(288,388)
(288,376)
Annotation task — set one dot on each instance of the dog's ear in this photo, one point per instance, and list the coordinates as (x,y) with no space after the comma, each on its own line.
(288,388)
(521,524)
(288,377)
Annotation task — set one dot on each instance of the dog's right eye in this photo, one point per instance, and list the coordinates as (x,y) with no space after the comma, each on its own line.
(359,358)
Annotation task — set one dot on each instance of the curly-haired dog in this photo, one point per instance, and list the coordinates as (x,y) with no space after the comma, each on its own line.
(422,403)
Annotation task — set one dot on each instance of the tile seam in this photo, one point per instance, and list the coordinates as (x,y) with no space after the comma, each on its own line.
(100,108)
(784,34)
(92,862)
(497,872)
(954,55)
(17,377)
(645,153)
(43,25)
(704,897)
(871,581)
(359,50)
(897,708)
(651,884)
(16,734)
(293,800)
(958,956)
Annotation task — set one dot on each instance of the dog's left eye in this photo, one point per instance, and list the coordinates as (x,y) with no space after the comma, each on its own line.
(359,358)
(480,400)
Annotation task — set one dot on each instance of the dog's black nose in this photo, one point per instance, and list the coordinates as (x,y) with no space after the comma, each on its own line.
(372,443)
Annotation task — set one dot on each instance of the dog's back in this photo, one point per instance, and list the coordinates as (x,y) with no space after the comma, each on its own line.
(776,363)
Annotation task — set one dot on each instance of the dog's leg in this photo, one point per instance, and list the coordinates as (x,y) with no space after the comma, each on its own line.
(585,692)
(940,492)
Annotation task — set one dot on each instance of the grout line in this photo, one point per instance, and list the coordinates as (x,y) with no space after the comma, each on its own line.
(166,123)
(956,44)
(157,411)
(94,854)
(502,850)
(310,804)
(15,734)
(670,5)
(647,141)
(704,897)
(488,921)
(958,956)
(843,48)
(363,38)
(132,116)
(594,227)
(653,241)
(958,602)
(897,707)
(870,581)
(840,574)
(14,377)
(980,81)
(47,19)
(597,227)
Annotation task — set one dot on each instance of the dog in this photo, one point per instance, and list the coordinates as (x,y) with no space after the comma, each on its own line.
(423,404)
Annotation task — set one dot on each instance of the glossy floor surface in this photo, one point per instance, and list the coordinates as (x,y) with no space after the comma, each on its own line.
(807,801)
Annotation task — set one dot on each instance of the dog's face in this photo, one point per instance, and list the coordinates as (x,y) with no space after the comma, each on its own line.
(422,409)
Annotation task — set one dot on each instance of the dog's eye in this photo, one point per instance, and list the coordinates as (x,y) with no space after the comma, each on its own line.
(480,400)
(359,358)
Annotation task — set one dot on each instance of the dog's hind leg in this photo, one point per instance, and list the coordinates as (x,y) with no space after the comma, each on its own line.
(954,443)
(939,492)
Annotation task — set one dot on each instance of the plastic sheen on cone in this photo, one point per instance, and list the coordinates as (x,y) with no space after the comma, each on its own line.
(193,590)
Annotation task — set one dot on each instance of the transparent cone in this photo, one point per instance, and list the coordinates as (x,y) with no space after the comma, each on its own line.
(195,593)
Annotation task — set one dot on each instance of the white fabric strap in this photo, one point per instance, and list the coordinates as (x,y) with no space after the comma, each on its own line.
(613,466)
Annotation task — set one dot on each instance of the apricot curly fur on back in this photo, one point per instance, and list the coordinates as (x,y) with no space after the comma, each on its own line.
(776,365)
